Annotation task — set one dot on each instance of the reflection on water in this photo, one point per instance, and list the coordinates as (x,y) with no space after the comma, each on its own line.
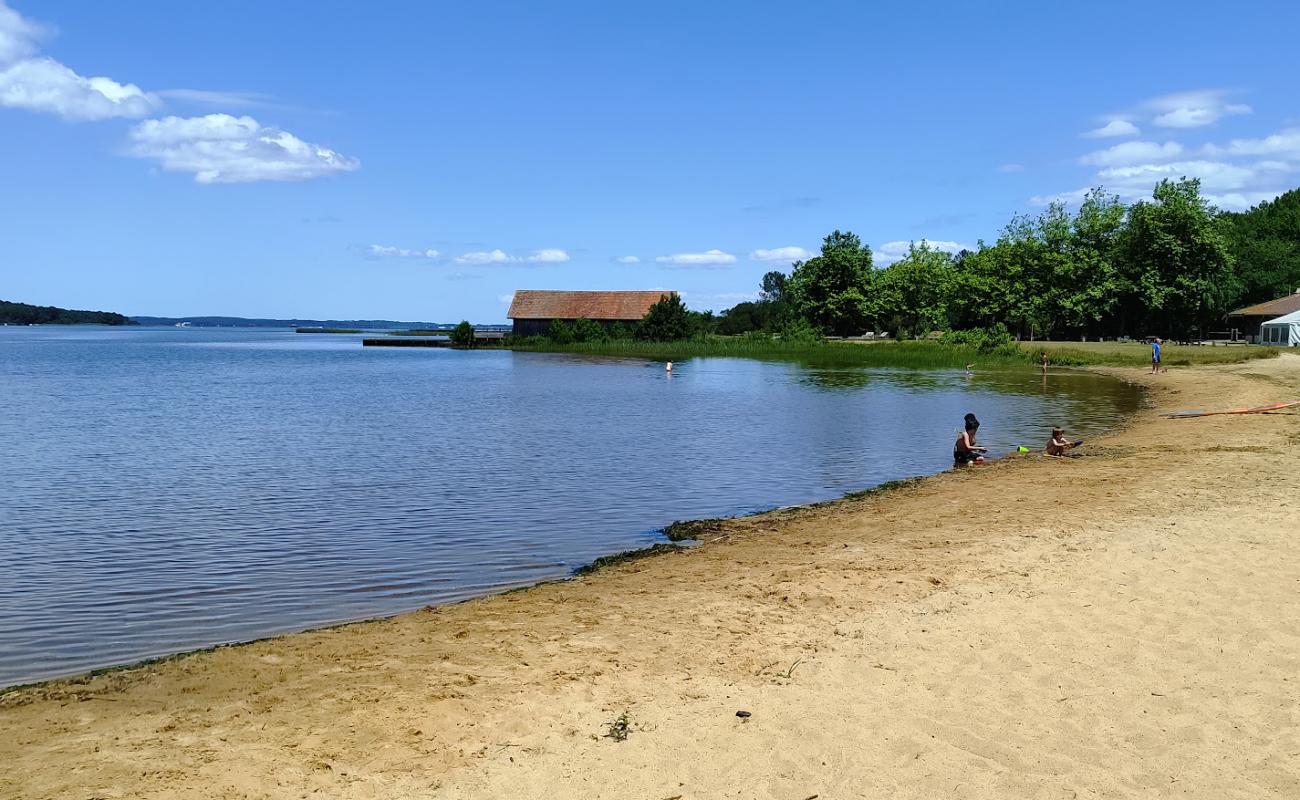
(170,489)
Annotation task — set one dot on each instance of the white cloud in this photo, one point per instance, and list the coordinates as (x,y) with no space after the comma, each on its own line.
(1284,144)
(1234,176)
(627,260)
(18,35)
(506,299)
(889,252)
(1116,127)
(1011,168)
(1214,175)
(1069,198)
(1192,109)
(716,302)
(217,98)
(549,255)
(1133,153)
(1240,201)
(219,148)
(709,258)
(782,254)
(484,257)
(389,251)
(47,86)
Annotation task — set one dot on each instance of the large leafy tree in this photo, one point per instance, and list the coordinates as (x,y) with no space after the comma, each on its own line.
(1265,244)
(667,320)
(1176,260)
(911,295)
(1088,283)
(831,291)
(1011,281)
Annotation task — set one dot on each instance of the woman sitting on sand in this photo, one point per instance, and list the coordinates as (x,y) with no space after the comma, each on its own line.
(965,451)
(1058,446)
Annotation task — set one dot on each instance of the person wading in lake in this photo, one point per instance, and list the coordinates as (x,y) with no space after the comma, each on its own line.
(965,451)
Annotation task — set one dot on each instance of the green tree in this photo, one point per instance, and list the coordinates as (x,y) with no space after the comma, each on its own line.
(773,286)
(667,320)
(560,332)
(587,330)
(463,334)
(1176,260)
(1265,245)
(911,295)
(1089,285)
(831,291)
(620,331)
(740,318)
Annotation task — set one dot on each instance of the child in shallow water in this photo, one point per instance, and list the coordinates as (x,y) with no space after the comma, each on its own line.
(965,451)
(1058,446)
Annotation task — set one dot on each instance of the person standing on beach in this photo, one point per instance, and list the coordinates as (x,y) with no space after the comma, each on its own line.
(1155,355)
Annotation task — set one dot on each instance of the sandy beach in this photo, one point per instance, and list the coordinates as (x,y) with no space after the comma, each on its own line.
(1122,624)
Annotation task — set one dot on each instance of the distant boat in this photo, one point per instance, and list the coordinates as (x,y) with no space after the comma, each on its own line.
(183,324)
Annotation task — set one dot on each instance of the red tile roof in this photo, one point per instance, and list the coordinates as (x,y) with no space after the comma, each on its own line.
(1273,308)
(542,304)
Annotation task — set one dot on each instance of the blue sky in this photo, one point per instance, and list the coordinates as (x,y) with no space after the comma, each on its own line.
(421,161)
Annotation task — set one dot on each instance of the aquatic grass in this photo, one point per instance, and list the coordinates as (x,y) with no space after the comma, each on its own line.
(915,354)
(625,556)
(690,530)
(882,488)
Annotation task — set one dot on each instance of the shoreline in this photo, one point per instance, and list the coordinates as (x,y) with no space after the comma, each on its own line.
(466,698)
(693,531)
(673,535)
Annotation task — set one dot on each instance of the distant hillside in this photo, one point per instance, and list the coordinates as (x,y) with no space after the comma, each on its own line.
(24,314)
(243,322)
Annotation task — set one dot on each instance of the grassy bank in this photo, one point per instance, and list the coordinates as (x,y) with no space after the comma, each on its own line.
(918,354)
(848,354)
(1137,354)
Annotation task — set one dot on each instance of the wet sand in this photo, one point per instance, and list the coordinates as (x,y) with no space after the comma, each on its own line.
(1123,624)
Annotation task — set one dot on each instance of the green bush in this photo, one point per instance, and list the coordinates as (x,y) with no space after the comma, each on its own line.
(463,334)
(667,321)
(586,330)
(800,330)
(561,332)
(620,332)
(996,339)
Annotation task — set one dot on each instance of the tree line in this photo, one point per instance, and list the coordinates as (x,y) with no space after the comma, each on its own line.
(24,314)
(1172,266)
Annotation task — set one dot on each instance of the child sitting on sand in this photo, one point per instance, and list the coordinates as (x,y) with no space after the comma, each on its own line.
(1058,446)
(965,451)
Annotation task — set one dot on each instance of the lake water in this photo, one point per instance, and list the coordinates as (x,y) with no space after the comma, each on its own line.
(169,489)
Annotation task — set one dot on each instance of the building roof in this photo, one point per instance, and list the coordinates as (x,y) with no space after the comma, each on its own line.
(1288,319)
(544,304)
(1273,308)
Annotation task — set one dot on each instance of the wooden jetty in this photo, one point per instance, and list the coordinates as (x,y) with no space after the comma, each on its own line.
(484,337)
